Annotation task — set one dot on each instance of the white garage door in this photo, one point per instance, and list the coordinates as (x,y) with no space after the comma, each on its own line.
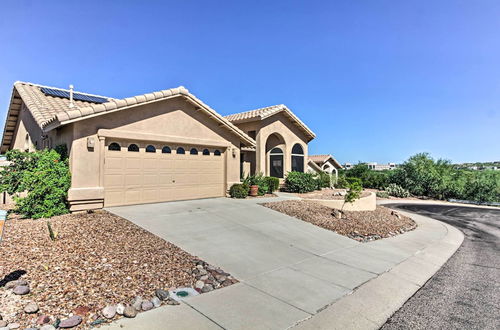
(160,173)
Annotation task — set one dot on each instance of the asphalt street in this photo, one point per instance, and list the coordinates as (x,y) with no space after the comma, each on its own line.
(465,292)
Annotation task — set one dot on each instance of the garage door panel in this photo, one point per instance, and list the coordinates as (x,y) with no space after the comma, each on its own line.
(140,177)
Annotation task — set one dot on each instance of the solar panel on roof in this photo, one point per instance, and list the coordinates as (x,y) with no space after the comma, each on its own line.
(76,96)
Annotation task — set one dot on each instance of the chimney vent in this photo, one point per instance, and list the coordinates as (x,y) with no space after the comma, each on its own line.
(71,104)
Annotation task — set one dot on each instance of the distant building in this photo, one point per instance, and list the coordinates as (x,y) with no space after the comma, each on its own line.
(374,166)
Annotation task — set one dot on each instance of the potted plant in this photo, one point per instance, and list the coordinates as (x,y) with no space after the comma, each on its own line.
(257,184)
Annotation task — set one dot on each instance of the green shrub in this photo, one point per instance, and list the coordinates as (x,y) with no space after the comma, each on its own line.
(397,191)
(299,182)
(325,180)
(341,182)
(45,179)
(273,184)
(238,190)
(353,180)
(382,194)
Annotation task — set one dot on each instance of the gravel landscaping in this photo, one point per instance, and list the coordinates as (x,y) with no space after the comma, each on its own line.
(363,226)
(100,267)
(328,194)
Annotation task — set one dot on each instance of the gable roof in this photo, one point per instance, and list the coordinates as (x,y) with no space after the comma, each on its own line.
(263,113)
(321,159)
(313,165)
(51,112)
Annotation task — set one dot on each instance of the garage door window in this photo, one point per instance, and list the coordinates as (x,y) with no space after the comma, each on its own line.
(114,147)
(181,151)
(150,148)
(206,152)
(216,153)
(133,148)
(166,150)
(193,151)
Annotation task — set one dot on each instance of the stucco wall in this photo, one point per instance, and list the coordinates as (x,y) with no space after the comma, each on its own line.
(152,122)
(27,125)
(368,203)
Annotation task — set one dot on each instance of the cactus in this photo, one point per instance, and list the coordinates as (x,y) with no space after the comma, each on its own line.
(397,191)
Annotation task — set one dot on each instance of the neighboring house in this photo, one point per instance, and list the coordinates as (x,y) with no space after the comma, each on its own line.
(161,146)
(381,167)
(326,163)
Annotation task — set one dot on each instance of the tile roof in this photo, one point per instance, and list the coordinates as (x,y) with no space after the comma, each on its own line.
(263,113)
(51,112)
(321,159)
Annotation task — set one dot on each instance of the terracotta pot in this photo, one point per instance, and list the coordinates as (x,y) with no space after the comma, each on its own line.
(254,190)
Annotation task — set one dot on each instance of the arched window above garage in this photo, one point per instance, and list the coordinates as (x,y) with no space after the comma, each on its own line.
(150,148)
(206,152)
(133,147)
(166,150)
(181,151)
(114,147)
(216,153)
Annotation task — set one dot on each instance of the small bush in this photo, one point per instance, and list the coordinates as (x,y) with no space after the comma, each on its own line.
(273,184)
(382,194)
(341,182)
(299,182)
(45,179)
(238,190)
(397,191)
(325,180)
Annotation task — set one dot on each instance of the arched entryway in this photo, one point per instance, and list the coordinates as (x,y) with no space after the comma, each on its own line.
(275,149)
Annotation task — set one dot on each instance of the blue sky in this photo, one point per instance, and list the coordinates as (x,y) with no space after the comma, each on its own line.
(375,80)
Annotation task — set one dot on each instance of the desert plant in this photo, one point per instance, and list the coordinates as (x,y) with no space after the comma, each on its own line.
(238,190)
(299,182)
(382,194)
(258,180)
(397,191)
(325,180)
(53,235)
(341,182)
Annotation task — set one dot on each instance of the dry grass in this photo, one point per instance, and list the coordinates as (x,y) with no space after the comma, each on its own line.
(361,226)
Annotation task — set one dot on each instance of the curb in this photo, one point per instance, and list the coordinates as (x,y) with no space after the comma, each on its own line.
(374,302)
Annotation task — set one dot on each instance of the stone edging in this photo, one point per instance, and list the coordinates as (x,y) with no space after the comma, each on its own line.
(374,302)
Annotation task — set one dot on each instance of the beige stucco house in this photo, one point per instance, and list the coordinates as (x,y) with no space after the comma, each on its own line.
(161,146)
(325,163)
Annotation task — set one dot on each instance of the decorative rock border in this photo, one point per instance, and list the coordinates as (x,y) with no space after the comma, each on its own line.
(208,278)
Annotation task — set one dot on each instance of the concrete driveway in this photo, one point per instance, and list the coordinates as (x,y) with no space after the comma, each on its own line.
(289,269)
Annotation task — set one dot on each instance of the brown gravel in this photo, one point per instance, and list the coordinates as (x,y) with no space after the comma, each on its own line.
(362,226)
(327,194)
(98,259)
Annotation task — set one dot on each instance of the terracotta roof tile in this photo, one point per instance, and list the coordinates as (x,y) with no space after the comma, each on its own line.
(263,113)
(56,111)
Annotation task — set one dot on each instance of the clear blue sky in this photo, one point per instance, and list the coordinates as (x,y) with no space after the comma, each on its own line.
(375,80)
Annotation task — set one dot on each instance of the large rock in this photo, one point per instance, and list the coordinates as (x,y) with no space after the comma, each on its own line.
(147,305)
(207,288)
(156,302)
(3,324)
(109,311)
(137,302)
(199,285)
(130,311)
(31,308)
(70,322)
(21,289)
(162,294)
(13,325)
(13,284)
(120,308)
